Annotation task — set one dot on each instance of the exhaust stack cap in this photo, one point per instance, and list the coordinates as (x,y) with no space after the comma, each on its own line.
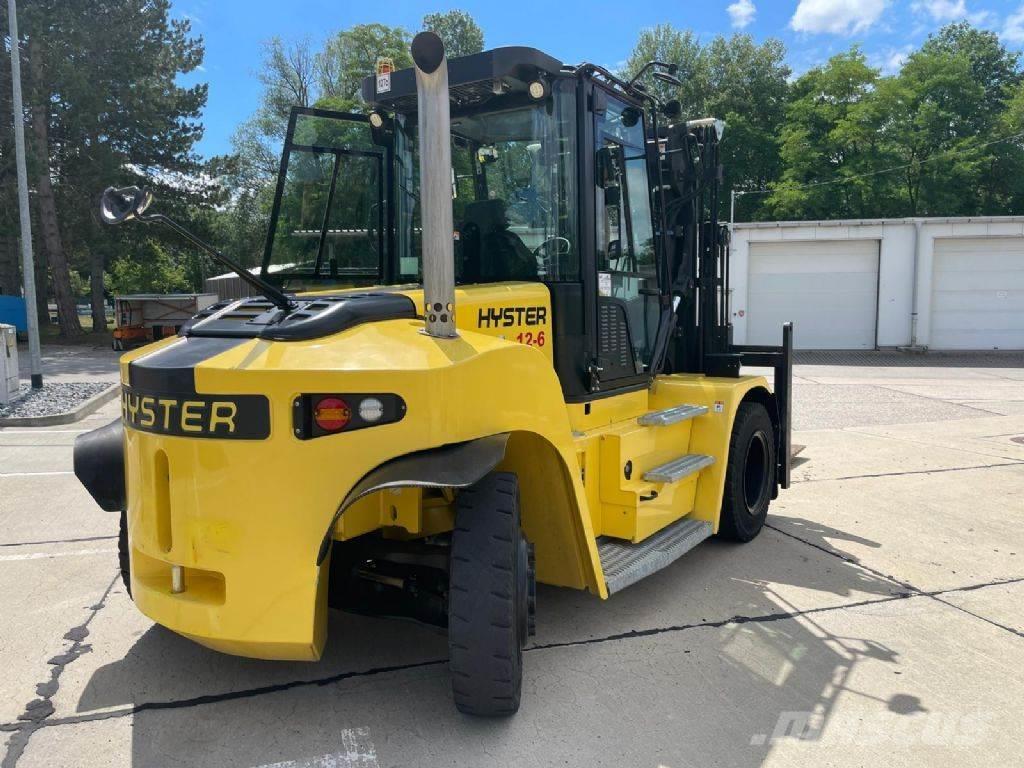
(427,52)
(434,116)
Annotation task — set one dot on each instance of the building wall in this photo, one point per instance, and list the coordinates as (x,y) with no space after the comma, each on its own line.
(896,277)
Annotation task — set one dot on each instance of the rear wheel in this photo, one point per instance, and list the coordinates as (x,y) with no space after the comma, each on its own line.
(123,554)
(490,598)
(749,475)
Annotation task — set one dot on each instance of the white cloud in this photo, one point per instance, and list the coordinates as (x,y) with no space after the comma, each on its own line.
(892,60)
(949,10)
(742,13)
(1013,30)
(837,17)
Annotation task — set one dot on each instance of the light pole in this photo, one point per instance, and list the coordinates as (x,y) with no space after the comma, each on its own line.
(28,273)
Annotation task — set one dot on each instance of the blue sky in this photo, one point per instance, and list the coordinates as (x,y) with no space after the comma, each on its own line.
(602,31)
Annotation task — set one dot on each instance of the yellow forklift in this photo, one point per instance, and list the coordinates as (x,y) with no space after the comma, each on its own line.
(492,348)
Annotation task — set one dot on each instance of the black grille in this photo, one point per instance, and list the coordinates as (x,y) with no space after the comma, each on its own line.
(312,318)
(615,349)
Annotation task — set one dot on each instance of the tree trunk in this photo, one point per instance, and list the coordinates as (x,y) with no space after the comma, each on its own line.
(10,277)
(67,313)
(99,309)
(42,289)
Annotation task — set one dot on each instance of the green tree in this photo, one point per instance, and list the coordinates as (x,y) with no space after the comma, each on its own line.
(1011,125)
(997,70)
(105,107)
(929,117)
(748,87)
(993,66)
(827,142)
(153,271)
(290,78)
(295,74)
(351,55)
(674,46)
(734,79)
(461,35)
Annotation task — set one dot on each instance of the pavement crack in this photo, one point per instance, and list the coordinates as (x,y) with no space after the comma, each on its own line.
(56,541)
(39,709)
(246,693)
(908,586)
(908,472)
(901,439)
(936,399)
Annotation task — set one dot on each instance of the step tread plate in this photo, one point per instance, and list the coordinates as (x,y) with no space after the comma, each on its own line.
(673,415)
(677,469)
(625,563)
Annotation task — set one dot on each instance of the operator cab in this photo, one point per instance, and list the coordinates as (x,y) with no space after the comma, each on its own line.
(551,183)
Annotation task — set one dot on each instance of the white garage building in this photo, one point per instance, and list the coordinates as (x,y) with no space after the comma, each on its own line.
(943,284)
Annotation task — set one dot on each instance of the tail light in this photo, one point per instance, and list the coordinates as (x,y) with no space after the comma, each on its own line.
(317,415)
(331,414)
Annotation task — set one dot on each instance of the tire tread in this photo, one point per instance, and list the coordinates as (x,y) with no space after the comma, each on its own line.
(484,655)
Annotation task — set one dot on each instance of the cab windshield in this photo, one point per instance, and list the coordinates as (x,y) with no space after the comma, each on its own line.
(513,193)
(328,220)
(513,197)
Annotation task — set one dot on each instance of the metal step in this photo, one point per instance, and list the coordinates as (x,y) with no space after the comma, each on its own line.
(679,468)
(625,563)
(672,415)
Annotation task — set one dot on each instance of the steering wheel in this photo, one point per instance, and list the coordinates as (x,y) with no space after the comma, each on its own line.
(544,255)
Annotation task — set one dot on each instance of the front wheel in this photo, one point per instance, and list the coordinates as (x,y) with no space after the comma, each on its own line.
(749,475)
(490,598)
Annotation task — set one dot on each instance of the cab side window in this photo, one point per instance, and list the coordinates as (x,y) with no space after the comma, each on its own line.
(626,262)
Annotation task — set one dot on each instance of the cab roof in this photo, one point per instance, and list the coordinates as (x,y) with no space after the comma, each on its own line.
(471,79)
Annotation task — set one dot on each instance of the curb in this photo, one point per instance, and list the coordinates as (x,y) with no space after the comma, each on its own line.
(89,406)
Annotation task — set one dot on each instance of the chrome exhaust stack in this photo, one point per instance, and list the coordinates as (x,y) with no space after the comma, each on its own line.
(435,185)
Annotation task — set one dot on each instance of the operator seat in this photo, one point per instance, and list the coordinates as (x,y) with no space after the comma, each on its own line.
(490,252)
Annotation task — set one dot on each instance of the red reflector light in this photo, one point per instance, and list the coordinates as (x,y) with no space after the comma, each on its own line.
(331,414)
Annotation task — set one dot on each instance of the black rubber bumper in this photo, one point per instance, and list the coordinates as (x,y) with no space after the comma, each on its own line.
(99,465)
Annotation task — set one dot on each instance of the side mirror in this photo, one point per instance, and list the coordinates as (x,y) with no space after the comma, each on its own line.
(119,205)
(630,117)
(672,109)
(665,77)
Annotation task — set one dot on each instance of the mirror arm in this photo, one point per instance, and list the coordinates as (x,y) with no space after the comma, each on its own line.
(276,296)
(650,65)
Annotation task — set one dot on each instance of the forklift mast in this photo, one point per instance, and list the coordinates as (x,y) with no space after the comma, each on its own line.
(685,156)
(693,252)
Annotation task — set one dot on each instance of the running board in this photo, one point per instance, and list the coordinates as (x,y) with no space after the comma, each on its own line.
(674,415)
(624,563)
(679,468)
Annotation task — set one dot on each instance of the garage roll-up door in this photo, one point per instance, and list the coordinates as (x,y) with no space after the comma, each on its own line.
(978,293)
(828,289)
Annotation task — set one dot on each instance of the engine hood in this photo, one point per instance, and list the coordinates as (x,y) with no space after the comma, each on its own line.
(313,318)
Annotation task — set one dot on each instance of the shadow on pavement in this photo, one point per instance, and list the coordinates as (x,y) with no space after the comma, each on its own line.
(693,666)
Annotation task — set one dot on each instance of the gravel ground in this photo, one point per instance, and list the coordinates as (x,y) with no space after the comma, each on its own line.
(52,399)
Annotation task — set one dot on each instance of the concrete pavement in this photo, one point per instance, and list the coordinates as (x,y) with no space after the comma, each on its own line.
(876,620)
